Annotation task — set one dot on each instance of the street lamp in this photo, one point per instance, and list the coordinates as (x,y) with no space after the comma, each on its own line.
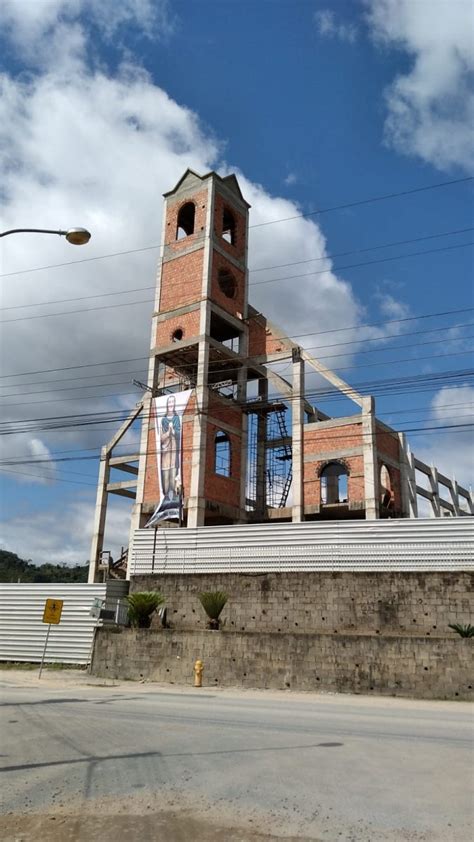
(75,236)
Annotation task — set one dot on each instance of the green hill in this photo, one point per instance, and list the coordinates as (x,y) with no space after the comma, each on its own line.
(14,569)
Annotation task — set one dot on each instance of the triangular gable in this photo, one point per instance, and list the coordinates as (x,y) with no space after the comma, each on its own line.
(189,172)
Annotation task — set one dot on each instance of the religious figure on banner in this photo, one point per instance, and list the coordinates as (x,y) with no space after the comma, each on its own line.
(169,410)
(170,444)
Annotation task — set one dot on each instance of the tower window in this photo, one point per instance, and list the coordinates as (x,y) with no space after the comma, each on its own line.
(186,221)
(227,283)
(228,227)
(177,334)
(222,452)
(334,483)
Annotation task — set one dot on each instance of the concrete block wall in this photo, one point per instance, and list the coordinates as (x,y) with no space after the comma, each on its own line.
(419,667)
(356,603)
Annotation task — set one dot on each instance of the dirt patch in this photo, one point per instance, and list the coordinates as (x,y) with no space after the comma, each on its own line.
(172,826)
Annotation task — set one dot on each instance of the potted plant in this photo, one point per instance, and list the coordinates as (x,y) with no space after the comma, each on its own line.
(141,606)
(213,602)
(462,630)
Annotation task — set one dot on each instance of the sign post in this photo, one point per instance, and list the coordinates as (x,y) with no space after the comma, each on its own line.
(52,616)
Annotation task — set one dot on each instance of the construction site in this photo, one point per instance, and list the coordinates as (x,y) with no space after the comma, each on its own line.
(226,439)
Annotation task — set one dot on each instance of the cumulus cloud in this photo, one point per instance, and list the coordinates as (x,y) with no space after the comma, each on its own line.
(329,26)
(80,145)
(431,105)
(45,537)
(451,451)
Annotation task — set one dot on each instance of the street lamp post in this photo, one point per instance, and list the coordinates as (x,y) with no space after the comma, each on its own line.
(75,236)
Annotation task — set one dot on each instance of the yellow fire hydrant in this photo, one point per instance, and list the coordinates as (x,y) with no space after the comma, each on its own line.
(198,670)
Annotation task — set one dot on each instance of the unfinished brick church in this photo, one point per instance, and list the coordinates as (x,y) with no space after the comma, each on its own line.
(236,442)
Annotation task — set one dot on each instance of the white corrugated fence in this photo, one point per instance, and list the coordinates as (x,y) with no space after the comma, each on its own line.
(378,545)
(22,632)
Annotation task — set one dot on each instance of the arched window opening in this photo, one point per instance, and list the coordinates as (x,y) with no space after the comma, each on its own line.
(222,454)
(227,284)
(185,221)
(386,493)
(228,227)
(334,483)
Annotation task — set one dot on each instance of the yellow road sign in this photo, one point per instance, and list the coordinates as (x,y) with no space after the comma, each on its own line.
(52,611)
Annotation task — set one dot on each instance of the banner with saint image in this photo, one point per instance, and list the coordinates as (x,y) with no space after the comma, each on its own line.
(169,411)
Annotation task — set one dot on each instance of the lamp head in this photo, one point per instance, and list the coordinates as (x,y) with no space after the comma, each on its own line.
(78,236)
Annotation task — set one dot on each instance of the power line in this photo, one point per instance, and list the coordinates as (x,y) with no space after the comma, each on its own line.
(312,347)
(256,316)
(371,200)
(191,449)
(254,283)
(260,269)
(407,411)
(322,358)
(119,416)
(353,204)
(341,368)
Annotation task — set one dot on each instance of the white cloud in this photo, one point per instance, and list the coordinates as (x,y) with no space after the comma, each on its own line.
(65,536)
(451,451)
(431,105)
(329,26)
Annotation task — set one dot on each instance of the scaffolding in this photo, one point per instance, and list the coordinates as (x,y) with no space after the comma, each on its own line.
(277,465)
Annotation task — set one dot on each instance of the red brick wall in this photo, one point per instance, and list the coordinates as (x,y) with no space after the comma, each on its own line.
(189,324)
(232,305)
(200,201)
(325,440)
(224,410)
(217,488)
(388,443)
(237,250)
(262,340)
(181,281)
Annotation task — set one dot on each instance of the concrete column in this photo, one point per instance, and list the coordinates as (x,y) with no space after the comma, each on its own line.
(136,519)
(297,422)
(262,417)
(407,480)
(434,486)
(99,516)
(196,501)
(369,448)
(242,397)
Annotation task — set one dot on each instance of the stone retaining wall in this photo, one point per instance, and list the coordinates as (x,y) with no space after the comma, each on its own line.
(420,667)
(376,603)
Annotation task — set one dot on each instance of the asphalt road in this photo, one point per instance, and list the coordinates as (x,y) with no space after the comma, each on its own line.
(148,762)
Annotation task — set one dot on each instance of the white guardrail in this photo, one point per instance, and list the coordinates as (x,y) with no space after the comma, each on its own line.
(442,544)
(22,632)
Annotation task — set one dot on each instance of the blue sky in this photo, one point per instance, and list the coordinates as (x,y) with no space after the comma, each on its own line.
(313,104)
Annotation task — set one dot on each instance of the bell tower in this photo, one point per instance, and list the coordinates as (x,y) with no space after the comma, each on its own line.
(200,341)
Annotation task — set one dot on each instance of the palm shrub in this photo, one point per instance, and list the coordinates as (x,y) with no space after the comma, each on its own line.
(462,630)
(213,602)
(141,607)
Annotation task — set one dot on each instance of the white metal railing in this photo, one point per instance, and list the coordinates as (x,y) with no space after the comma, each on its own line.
(441,544)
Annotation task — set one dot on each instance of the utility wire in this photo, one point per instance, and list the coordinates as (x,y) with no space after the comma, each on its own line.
(254,283)
(353,204)
(322,359)
(341,368)
(260,269)
(311,347)
(256,316)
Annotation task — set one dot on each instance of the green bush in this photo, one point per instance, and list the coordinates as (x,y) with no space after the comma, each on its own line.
(462,630)
(141,607)
(213,602)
